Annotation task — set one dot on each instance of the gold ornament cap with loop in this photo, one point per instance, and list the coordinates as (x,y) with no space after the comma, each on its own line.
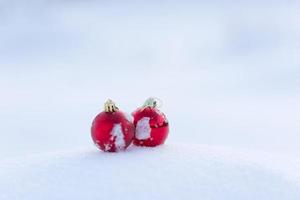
(110,106)
(152,102)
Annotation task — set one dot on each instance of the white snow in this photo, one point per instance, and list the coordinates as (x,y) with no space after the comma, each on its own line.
(174,171)
(107,147)
(143,129)
(118,135)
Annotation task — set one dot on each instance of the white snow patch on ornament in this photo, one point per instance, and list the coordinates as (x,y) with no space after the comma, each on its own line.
(143,129)
(117,133)
(107,147)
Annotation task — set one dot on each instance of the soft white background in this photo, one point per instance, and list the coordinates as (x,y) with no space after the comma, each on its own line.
(228,72)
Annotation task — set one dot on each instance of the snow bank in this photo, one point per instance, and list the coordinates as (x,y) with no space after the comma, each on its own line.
(167,172)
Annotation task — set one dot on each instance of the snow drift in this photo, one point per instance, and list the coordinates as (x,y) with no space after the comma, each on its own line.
(171,171)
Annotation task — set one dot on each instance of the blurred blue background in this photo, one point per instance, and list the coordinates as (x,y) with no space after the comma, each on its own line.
(228,72)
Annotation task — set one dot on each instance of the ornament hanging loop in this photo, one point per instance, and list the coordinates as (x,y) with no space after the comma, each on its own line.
(110,106)
(153,102)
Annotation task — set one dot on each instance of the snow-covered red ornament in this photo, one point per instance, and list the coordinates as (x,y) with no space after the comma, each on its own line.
(151,125)
(112,130)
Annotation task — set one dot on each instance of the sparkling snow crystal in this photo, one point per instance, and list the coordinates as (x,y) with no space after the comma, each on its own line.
(119,136)
(143,128)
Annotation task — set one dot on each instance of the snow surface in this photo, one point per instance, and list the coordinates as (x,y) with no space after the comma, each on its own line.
(143,129)
(173,171)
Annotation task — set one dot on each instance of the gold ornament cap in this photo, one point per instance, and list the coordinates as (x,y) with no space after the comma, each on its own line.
(152,103)
(110,106)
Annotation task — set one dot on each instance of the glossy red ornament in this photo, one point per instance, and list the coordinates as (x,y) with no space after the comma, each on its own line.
(151,125)
(112,130)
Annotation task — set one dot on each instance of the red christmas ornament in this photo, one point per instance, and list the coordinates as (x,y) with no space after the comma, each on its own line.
(112,130)
(151,125)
